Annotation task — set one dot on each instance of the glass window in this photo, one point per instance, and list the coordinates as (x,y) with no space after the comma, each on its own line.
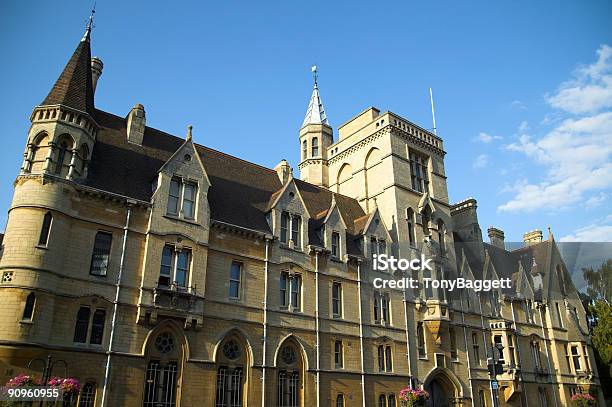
(97,327)
(382,401)
(288,387)
(87,396)
(388,359)
(182,268)
(43,239)
(101,254)
(335,244)
(338,356)
(284,227)
(421,340)
(337,299)
(410,219)
(284,280)
(28,310)
(418,166)
(453,343)
(559,315)
(586,358)
(304,150)
(296,287)
(373,246)
(189,198)
(384,300)
(165,272)
(160,384)
(475,348)
(174,196)
(376,307)
(382,247)
(235,274)
(340,400)
(229,387)
(82,325)
(576,358)
(381,358)
(392,402)
(61,157)
(315,147)
(296,227)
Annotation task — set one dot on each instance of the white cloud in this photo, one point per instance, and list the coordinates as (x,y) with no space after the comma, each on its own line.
(590,90)
(576,160)
(591,233)
(486,138)
(481,161)
(523,127)
(517,104)
(596,200)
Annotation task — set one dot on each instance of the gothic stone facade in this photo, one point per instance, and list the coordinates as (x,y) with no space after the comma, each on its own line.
(206,280)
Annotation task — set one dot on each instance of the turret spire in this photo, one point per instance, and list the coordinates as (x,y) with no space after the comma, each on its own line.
(89,25)
(315,113)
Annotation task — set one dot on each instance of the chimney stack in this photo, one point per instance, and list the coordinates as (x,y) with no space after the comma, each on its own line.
(136,122)
(496,237)
(96,71)
(533,237)
(283,169)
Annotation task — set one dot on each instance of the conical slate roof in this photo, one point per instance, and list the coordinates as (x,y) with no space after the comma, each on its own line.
(315,113)
(74,86)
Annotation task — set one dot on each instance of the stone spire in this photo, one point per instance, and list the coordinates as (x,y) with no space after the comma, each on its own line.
(74,87)
(315,113)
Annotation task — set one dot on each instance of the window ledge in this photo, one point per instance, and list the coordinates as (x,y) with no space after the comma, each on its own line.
(236,300)
(285,246)
(337,317)
(42,247)
(336,259)
(180,219)
(423,358)
(26,322)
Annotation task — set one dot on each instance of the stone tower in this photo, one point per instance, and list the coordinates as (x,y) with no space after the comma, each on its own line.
(316,136)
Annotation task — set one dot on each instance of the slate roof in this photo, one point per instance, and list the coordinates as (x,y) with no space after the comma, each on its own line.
(240,191)
(74,86)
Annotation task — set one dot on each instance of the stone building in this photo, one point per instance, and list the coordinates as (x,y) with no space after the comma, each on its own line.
(165,273)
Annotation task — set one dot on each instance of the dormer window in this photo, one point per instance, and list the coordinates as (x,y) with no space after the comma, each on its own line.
(378,246)
(182,198)
(335,244)
(296,230)
(418,169)
(284,228)
(291,223)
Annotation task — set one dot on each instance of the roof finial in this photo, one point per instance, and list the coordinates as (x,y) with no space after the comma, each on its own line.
(189,130)
(315,74)
(550,234)
(89,25)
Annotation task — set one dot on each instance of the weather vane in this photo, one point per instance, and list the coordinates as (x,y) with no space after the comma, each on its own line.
(315,73)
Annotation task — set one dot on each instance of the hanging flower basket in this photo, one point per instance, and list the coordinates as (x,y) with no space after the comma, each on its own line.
(583,400)
(70,388)
(413,397)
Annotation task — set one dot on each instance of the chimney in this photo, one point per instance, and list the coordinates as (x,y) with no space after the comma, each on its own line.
(496,237)
(136,122)
(283,169)
(96,71)
(533,237)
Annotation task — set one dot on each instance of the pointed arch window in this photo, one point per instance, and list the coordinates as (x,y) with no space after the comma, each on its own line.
(410,221)
(230,374)
(82,325)
(315,146)
(340,400)
(392,402)
(28,309)
(382,400)
(418,169)
(43,239)
(61,156)
(87,396)
(304,150)
(421,340)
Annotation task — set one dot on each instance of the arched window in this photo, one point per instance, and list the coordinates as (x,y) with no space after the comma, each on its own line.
(289,378)
(441,236)
(340,400)
(389,359)
(82,325)
(231,362)
(61,156)
(382,401)
(392,402)
(43,239)
(87,397)
(315,147)
(304,150)
(28,309)
(162,371)
(421,340)
(84,157)
(410,221)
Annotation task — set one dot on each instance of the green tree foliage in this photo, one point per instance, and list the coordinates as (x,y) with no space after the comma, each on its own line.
(602,343)
(599,282)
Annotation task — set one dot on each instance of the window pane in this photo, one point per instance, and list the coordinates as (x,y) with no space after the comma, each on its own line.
(389,359)
(173,196)
(296,226)
(165,272)
(81,326)
(283,289)
(45,229)
(381,358)
(87,395)
(101,253)
(182,268)
(235,271)
(296,283)
(28,310)
(97,327)
(284,226)
(189,197)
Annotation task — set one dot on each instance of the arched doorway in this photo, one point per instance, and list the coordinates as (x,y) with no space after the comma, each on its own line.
(232,362)
(290,374)
(165,350)
(443,390)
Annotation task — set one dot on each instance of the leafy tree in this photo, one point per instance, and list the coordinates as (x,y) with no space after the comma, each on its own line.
(602,343)
(599,282)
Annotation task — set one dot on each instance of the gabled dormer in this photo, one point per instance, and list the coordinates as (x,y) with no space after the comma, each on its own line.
(495,294)
(180,191)
(375,235)
(333,232)
(288,216)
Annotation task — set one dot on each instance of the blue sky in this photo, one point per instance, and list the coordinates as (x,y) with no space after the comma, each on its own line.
(523,90)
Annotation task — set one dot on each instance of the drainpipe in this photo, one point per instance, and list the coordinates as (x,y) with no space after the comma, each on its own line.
(518,352)
(265,325)
(550,372)
(494,399)
(467,352)
(116,306)
(317,346)
(363,399)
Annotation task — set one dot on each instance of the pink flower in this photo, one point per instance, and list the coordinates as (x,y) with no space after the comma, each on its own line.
(23,380)
(68,385)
